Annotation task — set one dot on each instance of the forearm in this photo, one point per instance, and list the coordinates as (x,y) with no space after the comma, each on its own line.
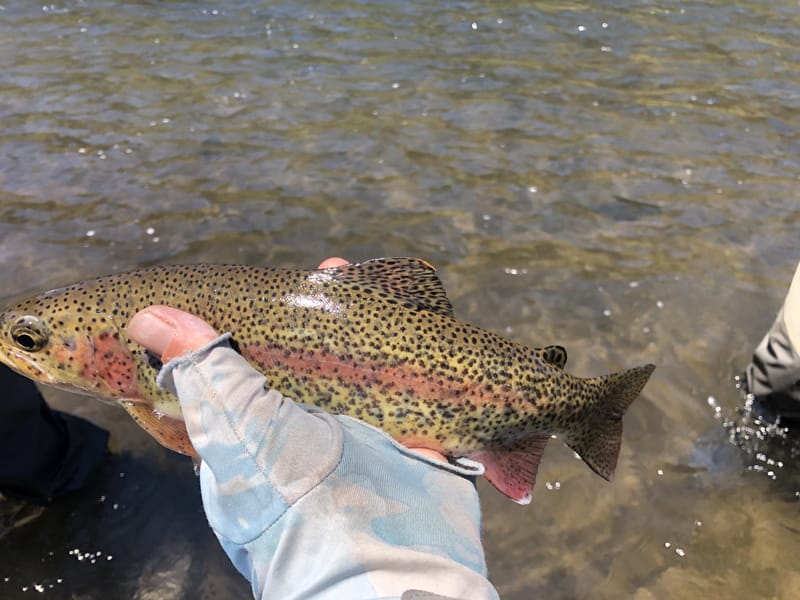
(308,505)
(260,449)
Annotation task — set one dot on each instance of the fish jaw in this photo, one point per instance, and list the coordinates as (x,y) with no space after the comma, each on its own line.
(24,365)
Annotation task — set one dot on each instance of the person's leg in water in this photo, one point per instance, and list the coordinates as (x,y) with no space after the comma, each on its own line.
(773,375)
(44,453)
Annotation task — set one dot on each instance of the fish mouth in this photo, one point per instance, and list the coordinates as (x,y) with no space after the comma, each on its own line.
(26,366)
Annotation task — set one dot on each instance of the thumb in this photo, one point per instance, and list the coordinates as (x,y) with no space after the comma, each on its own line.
(169,332)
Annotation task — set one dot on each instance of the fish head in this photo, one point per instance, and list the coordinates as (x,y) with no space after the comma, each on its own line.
(59,339)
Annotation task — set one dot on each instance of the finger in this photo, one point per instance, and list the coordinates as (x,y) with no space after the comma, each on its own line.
(330,263)
(430,454)
(169,332)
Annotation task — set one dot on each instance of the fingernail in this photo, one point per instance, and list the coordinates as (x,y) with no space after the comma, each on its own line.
(150,331)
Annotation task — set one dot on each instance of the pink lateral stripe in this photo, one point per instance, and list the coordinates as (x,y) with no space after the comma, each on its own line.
(385,378)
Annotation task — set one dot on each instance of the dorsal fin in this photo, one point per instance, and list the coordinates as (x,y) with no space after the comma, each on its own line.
(410,281)
(555,355)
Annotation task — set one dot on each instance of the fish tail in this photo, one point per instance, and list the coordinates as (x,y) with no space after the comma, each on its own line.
(598,439)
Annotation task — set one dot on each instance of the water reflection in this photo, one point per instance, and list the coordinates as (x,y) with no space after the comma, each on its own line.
(117,539)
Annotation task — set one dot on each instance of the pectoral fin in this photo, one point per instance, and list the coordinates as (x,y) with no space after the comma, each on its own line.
(170,433)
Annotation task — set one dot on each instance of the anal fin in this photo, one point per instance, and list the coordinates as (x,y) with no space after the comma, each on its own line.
(512,469)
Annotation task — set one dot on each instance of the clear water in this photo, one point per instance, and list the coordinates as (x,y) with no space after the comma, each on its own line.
(617,177)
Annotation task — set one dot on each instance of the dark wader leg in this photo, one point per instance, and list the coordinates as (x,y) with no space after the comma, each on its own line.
(43,453)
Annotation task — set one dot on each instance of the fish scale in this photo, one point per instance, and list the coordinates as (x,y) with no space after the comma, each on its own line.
(376,340)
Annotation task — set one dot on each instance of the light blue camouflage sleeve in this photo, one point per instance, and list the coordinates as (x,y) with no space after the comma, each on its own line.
(314,506)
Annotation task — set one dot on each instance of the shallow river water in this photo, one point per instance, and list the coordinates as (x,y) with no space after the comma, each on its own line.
(617,177)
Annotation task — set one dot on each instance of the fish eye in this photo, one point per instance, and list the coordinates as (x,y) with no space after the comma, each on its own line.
(30,334)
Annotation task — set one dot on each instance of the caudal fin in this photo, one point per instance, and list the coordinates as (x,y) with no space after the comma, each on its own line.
(597,439)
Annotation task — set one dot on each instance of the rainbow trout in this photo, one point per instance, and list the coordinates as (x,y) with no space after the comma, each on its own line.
(377,341)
